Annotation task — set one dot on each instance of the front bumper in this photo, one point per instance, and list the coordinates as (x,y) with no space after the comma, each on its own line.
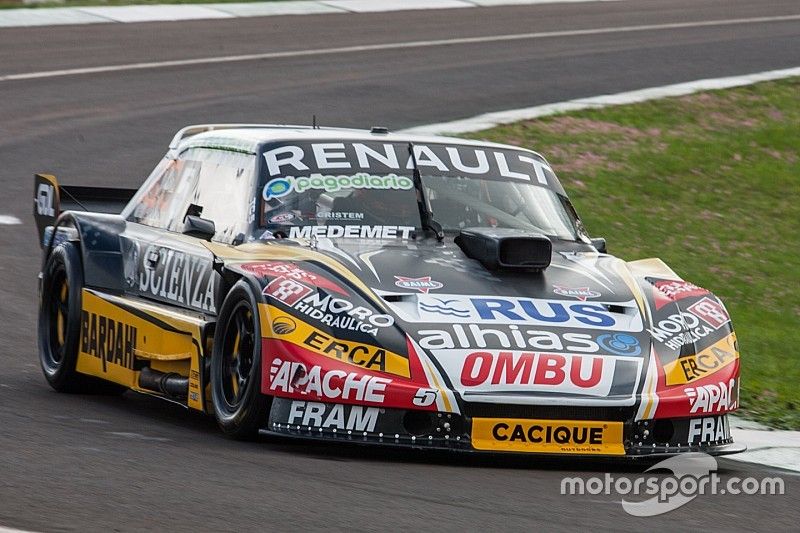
(448,431)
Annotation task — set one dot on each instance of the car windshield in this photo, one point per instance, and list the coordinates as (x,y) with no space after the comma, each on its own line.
(366,190)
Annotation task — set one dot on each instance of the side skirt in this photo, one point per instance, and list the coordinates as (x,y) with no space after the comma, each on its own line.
(121,337)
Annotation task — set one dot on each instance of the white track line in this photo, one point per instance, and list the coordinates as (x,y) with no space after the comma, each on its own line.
(489,120)
(391,46)
(9,220)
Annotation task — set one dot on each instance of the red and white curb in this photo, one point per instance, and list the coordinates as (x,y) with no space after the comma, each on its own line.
(765,446)
(177,12)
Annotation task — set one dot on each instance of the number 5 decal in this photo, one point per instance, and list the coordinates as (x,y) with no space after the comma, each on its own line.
(424,397)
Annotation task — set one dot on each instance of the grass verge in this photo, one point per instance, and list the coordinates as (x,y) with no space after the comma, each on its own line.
(711,184)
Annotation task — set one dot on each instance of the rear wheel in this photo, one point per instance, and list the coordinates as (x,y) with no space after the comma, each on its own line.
(239,406)
(60,324)
(59,318)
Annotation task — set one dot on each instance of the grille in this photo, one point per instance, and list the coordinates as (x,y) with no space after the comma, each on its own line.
(549,412)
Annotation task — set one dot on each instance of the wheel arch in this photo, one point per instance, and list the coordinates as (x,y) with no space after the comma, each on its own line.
(97,237)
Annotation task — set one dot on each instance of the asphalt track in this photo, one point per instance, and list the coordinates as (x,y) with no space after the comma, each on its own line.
(133,463)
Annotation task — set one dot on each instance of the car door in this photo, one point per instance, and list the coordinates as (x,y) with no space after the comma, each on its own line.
(174,268)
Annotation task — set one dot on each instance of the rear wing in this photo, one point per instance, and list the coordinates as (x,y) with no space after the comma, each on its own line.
(51,199)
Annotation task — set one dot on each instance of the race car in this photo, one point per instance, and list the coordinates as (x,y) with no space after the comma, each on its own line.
(377,288)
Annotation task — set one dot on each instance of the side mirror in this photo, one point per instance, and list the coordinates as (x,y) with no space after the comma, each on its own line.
(600,244)
(202,228)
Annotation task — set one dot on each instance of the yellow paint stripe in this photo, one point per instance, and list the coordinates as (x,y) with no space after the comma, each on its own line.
(436,384)
(141,354)
(652,380)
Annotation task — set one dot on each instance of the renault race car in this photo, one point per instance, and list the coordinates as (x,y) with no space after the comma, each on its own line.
(373,287)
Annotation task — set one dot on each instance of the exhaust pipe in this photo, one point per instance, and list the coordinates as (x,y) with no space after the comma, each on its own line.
(171,384)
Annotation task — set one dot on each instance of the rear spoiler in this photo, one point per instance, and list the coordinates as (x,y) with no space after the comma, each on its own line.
(51,199)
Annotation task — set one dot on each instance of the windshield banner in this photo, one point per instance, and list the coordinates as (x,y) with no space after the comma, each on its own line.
(390,159)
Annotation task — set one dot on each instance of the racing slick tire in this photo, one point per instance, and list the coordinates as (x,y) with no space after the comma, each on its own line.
(60,324)
(239,406)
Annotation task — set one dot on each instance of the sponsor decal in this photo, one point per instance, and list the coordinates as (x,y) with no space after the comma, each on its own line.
(708,429)
(387,157)
(194,380)
(513,336)
(251,211)
(179,278)
(281,218)
(548,436)
(342,314)
(283,325)
(504,371)
(423,284)
(332,231)
(678,290)
(710,312)
(279,187)
(286,290)
(356,353)
(109,340)
(690,368)
(455,308)
(296,378)
(369,357)
(328,310)
(678,329)
(442,306)
(620,344)
(581,293)
(45,200)
(718,397)
(339,215)
(275,269)
(333,416)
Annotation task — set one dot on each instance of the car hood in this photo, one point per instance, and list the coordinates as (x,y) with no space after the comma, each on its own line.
(576,329)
(580,332)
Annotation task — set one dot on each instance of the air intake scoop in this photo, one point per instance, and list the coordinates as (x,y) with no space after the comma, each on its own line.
(506,249)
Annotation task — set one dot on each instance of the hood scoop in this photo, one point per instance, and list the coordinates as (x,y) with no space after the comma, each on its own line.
(506,249)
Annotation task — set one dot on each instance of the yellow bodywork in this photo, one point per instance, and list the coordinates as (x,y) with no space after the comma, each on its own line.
(116,334)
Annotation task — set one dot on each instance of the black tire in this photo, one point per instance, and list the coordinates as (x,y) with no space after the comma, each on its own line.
(60,324)
(239,406)
(59,318)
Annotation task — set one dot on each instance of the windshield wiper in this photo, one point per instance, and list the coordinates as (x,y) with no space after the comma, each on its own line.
(425,212)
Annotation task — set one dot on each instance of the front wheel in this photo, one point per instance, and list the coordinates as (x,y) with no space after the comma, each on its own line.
(239,406)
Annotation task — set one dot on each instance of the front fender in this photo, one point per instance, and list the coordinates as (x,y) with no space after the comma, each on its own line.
(694,363)
(325,340)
